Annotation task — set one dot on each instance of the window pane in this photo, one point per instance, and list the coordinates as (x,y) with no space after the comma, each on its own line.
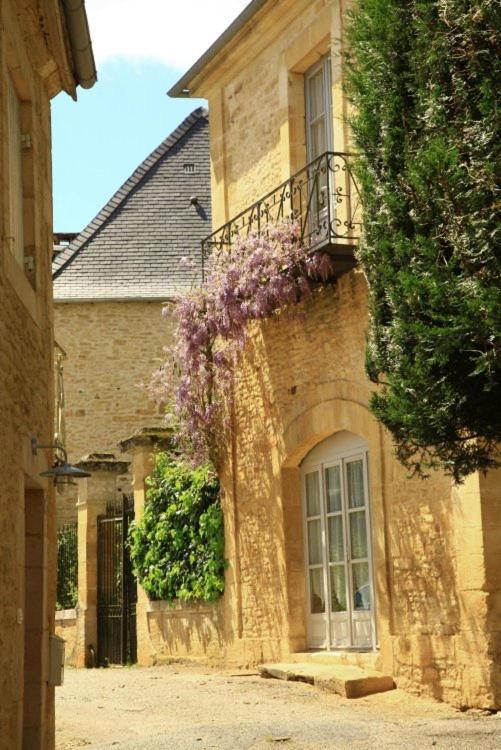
(316,93)
(355,474)
(338,588)
(358,534)
(317,597)
(312,494)
(318,136)
(336,546)
(361,588)
(333,484)
(314,542)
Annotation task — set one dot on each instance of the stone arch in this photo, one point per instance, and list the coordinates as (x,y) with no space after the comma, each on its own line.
(309,428)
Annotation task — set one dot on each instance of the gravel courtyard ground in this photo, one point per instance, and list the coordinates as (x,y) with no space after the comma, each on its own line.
(184,707)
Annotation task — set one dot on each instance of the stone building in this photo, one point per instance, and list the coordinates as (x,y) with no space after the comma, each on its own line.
(43,50)
(331,546)
(110,283)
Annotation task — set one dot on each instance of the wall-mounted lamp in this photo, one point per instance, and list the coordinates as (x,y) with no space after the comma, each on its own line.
(62,472)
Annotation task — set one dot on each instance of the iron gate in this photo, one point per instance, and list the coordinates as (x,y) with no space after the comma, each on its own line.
(116,589)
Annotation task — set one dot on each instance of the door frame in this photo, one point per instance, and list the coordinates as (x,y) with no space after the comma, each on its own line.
(338,458)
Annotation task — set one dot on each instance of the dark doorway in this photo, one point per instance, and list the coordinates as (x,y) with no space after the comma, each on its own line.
(35,637)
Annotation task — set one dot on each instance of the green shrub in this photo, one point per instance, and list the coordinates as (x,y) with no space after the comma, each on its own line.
(67,567)
(177,548)
(424,77)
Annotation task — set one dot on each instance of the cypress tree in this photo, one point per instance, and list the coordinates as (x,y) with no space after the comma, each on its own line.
(423,76)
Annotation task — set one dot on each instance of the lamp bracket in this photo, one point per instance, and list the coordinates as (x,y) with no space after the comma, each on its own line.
(35,445)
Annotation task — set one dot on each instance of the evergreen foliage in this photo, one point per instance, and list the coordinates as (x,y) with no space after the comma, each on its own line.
(177,547)
(423,77)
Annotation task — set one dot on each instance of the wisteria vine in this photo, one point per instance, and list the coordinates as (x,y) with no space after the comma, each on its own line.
(261,275)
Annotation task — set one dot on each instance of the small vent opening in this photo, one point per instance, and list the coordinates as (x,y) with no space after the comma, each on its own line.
(189,168)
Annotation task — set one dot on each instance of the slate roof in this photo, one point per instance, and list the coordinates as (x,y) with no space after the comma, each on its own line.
(134,246)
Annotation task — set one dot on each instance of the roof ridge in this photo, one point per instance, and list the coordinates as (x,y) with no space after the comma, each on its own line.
(64,258)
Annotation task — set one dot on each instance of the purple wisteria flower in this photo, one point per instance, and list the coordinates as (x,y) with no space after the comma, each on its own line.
(260,275)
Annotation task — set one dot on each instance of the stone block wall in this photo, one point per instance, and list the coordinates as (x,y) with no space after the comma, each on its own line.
(302,379)
(27,518)
(66,627)
(112,350)
(435,603)
(258,140)
(177,630)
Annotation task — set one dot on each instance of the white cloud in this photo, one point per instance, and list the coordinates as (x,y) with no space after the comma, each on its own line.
(173,32)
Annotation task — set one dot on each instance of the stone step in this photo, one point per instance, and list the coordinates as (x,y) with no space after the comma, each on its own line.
(344,679)
(364,659)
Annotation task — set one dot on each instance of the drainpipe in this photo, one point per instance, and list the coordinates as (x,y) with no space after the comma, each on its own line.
(80,42)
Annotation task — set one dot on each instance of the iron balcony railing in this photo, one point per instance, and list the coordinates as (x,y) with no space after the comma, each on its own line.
(322,197)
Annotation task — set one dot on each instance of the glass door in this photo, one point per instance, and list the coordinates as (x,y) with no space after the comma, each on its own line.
(358,557)
(338,558)
(315,560)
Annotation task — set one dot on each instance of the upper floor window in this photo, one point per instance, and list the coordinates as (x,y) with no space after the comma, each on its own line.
(318,100)
(14,140)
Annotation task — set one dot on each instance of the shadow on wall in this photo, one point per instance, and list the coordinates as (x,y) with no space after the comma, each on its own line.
(257,602)
(302,378)
(426,608)
(186,629)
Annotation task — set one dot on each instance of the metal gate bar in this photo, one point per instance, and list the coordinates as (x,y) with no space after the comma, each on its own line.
(117,594)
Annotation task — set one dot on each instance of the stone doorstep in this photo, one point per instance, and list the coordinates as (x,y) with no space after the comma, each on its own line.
(367,660)
(346,680)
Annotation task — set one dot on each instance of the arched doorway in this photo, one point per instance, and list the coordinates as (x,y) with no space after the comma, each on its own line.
(338,549)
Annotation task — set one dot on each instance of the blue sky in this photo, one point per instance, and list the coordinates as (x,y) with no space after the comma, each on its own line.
(100,140)
(141,49)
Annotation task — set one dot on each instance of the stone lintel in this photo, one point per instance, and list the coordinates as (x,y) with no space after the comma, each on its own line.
(103,462)
(148,437)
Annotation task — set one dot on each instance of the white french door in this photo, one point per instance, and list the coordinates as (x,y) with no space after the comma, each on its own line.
(318,112)
(340,601)
(318,100)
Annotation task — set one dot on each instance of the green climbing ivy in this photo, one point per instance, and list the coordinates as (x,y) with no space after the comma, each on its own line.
(177,547)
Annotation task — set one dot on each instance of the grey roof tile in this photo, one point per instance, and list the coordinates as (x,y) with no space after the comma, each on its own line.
(133,248)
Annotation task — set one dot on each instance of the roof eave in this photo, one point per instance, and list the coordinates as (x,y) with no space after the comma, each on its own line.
(80,42)
(181,88)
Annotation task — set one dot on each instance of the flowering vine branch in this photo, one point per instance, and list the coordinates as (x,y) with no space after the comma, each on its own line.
(261,275)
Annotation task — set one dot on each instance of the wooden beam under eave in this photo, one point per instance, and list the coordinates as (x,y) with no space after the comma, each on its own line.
(53,84)
(46,43)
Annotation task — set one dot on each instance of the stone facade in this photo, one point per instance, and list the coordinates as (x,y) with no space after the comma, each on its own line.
(302,379)
(35,64)
(112,349)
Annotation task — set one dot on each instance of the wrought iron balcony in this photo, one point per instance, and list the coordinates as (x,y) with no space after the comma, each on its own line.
(322,197)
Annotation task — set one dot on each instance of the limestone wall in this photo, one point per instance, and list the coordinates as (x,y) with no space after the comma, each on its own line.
(27,522)
(182,630)
(437,631)
(302,379)
(112,349)
(257,105)
(66,627)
